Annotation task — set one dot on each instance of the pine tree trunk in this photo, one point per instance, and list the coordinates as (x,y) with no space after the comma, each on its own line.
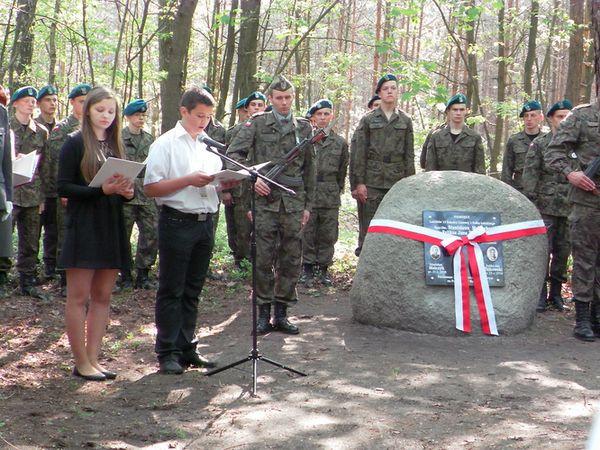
(574,86)
(531,48)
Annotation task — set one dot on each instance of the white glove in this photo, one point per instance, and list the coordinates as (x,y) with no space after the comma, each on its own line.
(7,212)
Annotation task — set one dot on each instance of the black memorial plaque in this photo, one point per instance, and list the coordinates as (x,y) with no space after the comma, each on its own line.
(439,270)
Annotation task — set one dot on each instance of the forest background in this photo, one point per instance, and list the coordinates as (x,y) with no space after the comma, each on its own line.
(498,52)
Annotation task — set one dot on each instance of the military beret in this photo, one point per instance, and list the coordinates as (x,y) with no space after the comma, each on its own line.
(309,113)
(135,106)
(255,96)
(25,91)
(323,103)
(47,90)
(79,90)
(373,100)
(383,79)
(563,104)
(279,83)
(456,100)
(531,105)
(240,104)
(207,88)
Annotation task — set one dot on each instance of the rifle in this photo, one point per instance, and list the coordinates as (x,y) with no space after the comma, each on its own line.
(591,171)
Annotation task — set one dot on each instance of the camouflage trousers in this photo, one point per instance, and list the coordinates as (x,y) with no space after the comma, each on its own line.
(559,247)
(238,226)
(319,236)
(49,224)
(60,227)
(585,245)
(27,221)
(374,197)
(146,219)
(278,255)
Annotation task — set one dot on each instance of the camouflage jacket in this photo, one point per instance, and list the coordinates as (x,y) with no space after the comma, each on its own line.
(382,150)
(574,146)
(464,154)
(216,131)
(549,190)
(262,139)
(332,166)
(229,135)
(58,136)
(48,126)
(514,159)
(136,149)
(32,137)
(423,157)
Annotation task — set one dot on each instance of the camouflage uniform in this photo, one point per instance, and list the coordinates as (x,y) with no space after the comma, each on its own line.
(423,156)
(321,231)
(28,197)
(577,140)
(514,159)
(216,131)
(278,217)
(464,153)
(141,209)
(382,154)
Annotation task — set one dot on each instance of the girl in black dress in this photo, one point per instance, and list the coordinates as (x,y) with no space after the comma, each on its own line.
(94,247)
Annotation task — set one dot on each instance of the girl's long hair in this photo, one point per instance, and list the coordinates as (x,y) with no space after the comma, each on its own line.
(93,157)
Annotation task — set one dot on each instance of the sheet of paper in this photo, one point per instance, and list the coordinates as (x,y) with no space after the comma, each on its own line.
(233,175)
(24,168)
(113,166)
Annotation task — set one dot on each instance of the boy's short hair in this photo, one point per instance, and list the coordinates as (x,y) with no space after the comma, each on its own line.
(194,96)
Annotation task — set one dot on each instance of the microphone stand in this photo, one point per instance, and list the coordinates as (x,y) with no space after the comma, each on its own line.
(255,355)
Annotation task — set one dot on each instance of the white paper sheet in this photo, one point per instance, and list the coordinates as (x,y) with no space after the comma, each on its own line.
(113,166)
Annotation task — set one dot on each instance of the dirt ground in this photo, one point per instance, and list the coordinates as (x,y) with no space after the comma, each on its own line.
(366,387)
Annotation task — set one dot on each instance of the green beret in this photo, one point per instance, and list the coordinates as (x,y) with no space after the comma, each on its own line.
(240,104)
(308,114)
(25,91)
(207,88)
(46,90)
(255,96)
(456,100)
(135,106)
(563,104)
(373,100)
(531,105)
(279,83)
(79,90)
(323,103)
(383,79)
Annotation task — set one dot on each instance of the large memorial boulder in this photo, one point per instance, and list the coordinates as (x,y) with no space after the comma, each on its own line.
(389,287)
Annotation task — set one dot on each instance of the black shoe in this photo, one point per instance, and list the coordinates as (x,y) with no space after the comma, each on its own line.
(28,288)
(5,289)
(541,306)
(194,359)
(324,278)
(308,275)
(170,367)
(94,377)
(109,375)
(263,324)
(357,251)
(583,330)
(280,322)
(50,273)
(555,295)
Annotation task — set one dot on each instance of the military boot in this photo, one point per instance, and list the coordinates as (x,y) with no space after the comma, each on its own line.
(541,306)
(4,285)
(125,281)
(308,275)
(63,283)
(142,281)
(28,288)
(263,324)
(280,322)
(324,278)
(595,318)
(583,330)
(49,272)
(555,295)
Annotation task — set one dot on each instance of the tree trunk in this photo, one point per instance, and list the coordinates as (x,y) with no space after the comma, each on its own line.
(499,129)
(88,48)
(228,65)
(52,45)
(245,80)
(596,37)
(531,48)
(575,79)
(4,67)
(119,42)
(22,51)
(140,42)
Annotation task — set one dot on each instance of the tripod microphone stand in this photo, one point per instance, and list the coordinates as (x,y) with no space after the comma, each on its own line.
(255,355)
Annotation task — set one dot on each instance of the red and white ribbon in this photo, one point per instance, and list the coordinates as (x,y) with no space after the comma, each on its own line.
(460,247)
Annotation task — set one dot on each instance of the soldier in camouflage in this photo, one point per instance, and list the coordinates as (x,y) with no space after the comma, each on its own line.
(321,231)
(280,217)
(28,198)
(518,144)
(456,146)
(577,143)
(549,190)
(141,210)
(382,150)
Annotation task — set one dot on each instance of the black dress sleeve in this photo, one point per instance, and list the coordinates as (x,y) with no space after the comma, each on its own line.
(71,183)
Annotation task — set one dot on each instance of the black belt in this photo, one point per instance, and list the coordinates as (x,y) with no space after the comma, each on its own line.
(172,212)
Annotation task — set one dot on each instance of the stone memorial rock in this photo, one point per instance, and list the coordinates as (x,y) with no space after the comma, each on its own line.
(389,287)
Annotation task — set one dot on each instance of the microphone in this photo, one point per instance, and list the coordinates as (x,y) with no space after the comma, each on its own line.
(211,142)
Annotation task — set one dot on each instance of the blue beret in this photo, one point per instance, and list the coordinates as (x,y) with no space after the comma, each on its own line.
(255,96)
(373,100)
(135,106)
(47,90)
(563,104)
(456,99)
(79,90)
(25,91)
(308,114)
(323,103)
(240,104)
(383,79)
(531,105)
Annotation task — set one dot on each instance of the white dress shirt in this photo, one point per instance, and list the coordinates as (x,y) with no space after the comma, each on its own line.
(175,154)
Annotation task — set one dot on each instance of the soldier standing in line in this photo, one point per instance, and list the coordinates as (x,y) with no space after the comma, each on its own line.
(456,146)
(382,150)
(6,195)
(58,136)
(518,144)
(577,143)
(280,217)
(237,200)
(141,210)
(321,231)
(47,102)
(549,190)
(28,198)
